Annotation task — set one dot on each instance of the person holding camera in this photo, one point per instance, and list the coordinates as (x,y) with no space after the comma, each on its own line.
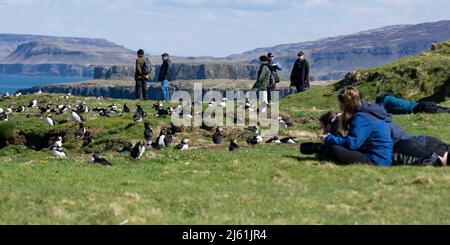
(274,78)
(408,150)
(366,138)
(142,75)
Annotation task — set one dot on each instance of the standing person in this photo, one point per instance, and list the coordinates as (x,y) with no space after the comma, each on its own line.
(142,75)
(165,73)
(300,73)
(367,139)
(274,79)
(262,82)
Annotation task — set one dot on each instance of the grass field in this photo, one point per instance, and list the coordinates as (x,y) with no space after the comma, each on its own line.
(267,184)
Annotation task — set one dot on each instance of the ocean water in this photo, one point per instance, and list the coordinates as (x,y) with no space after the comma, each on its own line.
(12,83)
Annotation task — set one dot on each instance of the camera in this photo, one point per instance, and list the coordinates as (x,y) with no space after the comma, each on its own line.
(311,148)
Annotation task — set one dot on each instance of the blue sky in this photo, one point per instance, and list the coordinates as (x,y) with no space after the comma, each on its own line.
(206,27)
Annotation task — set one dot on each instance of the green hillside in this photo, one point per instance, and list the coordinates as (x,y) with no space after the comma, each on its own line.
(266,184)
(426,76)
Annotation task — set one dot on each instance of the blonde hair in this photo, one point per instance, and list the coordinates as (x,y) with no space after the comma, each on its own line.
(351,99)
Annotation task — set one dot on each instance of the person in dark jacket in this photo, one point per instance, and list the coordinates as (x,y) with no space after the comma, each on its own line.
(367,139)
(274,78)
(397,106)
(408,150)
(300,73)
(142,75)
(164,76)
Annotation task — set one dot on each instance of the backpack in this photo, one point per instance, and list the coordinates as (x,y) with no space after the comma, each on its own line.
(147,69)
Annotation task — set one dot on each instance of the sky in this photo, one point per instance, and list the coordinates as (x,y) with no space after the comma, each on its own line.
(211,27)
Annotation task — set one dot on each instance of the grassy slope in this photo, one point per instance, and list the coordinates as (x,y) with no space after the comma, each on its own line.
(208,185)
(412,77)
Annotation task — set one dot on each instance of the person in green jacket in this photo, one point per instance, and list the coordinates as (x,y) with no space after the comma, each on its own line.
(142,75)
(263,81)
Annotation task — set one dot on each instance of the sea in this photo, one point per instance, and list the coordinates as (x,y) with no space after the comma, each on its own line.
(12,83)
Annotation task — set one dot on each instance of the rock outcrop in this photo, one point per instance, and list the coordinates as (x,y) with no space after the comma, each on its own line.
(186,71)
(424,77)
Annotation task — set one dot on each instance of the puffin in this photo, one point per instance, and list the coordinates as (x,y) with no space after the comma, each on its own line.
(80,132)
(49,121)
(138,150)
(33,104)
(289,140)
(274,140)
(9,110)
(58,150)
(148,133)
(76,117)
(285,122)
(20,109)
(253,129)
(98,158)
(233,145)
(223,104)
(158,105)
(126,109)
(255,140)
(160,141)
(184,145)
(218,136)
(169,138)
(138,116)
(4,117)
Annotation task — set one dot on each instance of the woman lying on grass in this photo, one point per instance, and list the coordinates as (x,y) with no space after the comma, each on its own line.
(408,150)
(365,138)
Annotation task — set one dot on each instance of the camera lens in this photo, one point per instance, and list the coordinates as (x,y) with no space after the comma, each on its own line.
(311,148)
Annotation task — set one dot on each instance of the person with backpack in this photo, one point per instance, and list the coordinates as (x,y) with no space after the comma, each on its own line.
(165,73)
(366,138)
(274,79)
(142,75)
(300,73)
(262,82)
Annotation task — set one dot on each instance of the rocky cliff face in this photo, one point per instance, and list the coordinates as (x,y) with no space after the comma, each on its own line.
(123,89)
(63,70)
(185,71)
(69,53)
(332,58)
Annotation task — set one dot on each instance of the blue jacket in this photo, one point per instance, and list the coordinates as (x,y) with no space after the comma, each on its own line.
(275,66)
(396,105)
(397,133)
(368,135)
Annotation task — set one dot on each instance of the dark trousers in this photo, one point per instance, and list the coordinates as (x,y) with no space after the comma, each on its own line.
(437,145)
(344,156)
(269,94)
(430,107)
(410,152)
(300,89)
(141,90)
